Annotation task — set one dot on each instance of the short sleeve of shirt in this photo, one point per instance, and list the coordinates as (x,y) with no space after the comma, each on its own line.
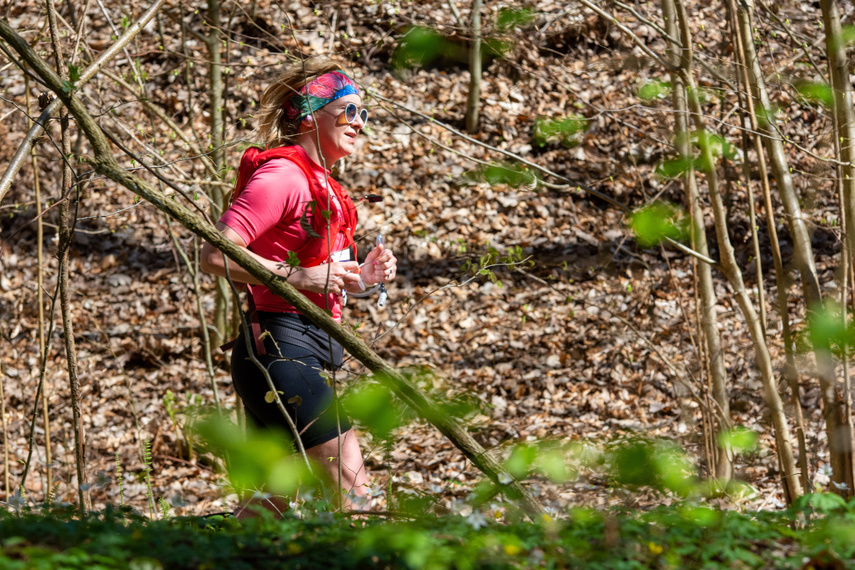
(277,191)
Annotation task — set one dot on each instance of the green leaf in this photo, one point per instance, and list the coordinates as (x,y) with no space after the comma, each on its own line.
(306,224)
(509,18)
(819,502)
(293,260)
(520,460)
(659,221)
(419,47)
(739,439)
(654,90)
(514,176)
(374,406)
(496,47)
(828,330)
(73,73)
(552,463)
(565,130)
(674,167)
(263,459)
(818,92)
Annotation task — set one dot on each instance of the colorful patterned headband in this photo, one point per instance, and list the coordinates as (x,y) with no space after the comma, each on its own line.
(319,92)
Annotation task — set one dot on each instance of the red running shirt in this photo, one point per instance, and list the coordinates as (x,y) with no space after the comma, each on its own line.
(266,215)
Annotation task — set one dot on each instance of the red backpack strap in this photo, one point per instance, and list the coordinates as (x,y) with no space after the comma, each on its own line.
(248,166)
(249,163)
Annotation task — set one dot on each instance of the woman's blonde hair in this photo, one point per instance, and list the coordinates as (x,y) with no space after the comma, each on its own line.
(274,128)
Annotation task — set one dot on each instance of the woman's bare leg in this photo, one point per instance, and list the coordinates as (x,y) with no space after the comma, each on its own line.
(354,479)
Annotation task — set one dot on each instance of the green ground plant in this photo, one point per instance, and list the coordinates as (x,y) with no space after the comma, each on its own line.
(817,531)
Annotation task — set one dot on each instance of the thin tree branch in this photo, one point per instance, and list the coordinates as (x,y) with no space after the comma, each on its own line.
(638,41)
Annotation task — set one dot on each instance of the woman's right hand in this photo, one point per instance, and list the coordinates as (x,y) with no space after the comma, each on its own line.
(328,278)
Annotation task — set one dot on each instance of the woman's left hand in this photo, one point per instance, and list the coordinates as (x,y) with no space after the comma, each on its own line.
(380,266)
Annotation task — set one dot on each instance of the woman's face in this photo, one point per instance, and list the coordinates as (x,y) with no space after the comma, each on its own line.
(337,136)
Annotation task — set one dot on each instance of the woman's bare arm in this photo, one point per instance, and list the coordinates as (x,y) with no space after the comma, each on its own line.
(312,279)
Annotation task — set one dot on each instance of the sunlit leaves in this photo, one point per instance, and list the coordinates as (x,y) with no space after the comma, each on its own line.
(261,460)
(564,130)
(817,92)
(699,140)
(513,175)
(738,439)
(675,166)
(422,45)
(823,503)
(510,18)
(374,406)
(658,464)
(496,47)
(546,458)
(657,222)
(654,90)
(717,145)
(827,330)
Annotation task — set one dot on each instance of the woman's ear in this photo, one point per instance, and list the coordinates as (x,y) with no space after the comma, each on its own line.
(309,119)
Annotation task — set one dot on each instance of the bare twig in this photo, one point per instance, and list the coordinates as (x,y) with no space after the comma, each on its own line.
(6,474)
(193,271)
(66,234)
(641,44)
(40,278)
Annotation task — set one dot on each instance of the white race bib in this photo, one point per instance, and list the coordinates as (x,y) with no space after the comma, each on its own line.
(340,255)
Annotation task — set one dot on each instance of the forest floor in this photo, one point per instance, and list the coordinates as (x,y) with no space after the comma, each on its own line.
(591,341)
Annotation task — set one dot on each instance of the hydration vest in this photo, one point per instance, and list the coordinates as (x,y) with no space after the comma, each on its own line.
(316,218)
(317,248)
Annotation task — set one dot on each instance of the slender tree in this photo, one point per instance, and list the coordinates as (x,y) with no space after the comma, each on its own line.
(838,65)
(214,44)
(40,301)
(791,373)
(731,269)
(474,102)
(833,405)
(708,301)
(66,234)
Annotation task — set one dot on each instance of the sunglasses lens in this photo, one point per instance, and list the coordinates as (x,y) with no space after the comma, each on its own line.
(350,112)
(364,116)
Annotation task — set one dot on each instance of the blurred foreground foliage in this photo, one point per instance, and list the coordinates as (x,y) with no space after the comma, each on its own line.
(683,535)
(482,531)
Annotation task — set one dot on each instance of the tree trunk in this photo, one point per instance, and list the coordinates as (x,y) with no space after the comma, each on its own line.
(835,426)
(474,101)
(709,325)
(845,137)
(733,273)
